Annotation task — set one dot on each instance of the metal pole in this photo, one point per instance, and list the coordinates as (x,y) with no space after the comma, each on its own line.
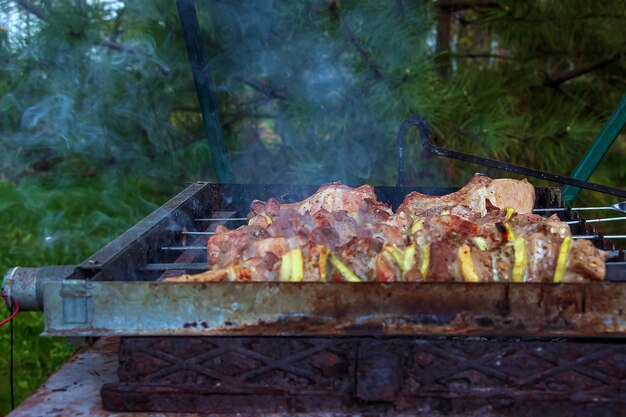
(596,152)
(429,148)
(202,79)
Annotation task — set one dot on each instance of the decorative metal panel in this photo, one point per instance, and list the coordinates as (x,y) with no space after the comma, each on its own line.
(364,374)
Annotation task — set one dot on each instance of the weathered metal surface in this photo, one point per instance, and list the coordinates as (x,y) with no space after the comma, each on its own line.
(25,285)
(367,375)
(146,308)
(380,370)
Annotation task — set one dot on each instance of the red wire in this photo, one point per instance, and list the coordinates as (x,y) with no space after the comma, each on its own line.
(16,309)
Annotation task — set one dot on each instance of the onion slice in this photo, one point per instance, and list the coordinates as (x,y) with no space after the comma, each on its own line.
(561,262)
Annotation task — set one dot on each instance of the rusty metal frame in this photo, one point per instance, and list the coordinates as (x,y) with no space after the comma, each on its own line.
(87,308)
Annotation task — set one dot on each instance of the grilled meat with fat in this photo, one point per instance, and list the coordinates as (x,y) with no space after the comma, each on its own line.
(502,193)
(345,234)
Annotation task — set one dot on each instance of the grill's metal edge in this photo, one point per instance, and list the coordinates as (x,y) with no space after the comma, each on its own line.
(87,308)
(136,241)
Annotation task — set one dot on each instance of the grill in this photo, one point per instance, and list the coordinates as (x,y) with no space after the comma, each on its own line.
(369,347)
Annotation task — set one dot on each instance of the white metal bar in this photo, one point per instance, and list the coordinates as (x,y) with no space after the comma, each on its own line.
(597,236)
(221,219)
(608,219)
(183,248)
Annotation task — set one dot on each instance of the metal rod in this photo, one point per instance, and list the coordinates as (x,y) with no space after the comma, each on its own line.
(184,248)
(615,254)
(186,266)
(621,206)
(198,233)
(429,148)
(221,219)
(592,208)
(544,210)
(598,236)
(597,150)
(608,219)
(202,79)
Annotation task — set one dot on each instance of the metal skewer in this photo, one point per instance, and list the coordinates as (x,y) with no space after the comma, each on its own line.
(221,219)
(190,266)
(598,236)
(198,233)
(621,206)
(608,219)
(184,248)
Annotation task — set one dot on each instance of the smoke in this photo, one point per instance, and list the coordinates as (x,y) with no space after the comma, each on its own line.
(314,91)
(307,91)
(98,107)
(51,111)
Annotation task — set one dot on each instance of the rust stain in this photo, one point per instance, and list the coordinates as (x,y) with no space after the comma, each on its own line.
(575,310)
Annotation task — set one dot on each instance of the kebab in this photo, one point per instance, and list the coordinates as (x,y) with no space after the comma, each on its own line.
(485,232)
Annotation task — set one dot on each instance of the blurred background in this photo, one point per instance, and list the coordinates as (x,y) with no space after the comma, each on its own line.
(100,122)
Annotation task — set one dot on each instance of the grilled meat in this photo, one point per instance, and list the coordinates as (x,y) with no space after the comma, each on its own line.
(499,192)
(330,197)
(504,246)
(345,234)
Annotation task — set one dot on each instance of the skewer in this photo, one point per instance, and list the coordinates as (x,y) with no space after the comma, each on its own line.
(608,219)
(621,206)
(184,248)
(616,253)
(598,236)
(574,236)
(221,219)
(188,266)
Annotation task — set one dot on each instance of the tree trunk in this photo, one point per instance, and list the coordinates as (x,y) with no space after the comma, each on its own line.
(442,59)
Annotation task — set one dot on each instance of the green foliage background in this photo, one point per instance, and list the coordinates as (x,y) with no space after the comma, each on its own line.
(99,121)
